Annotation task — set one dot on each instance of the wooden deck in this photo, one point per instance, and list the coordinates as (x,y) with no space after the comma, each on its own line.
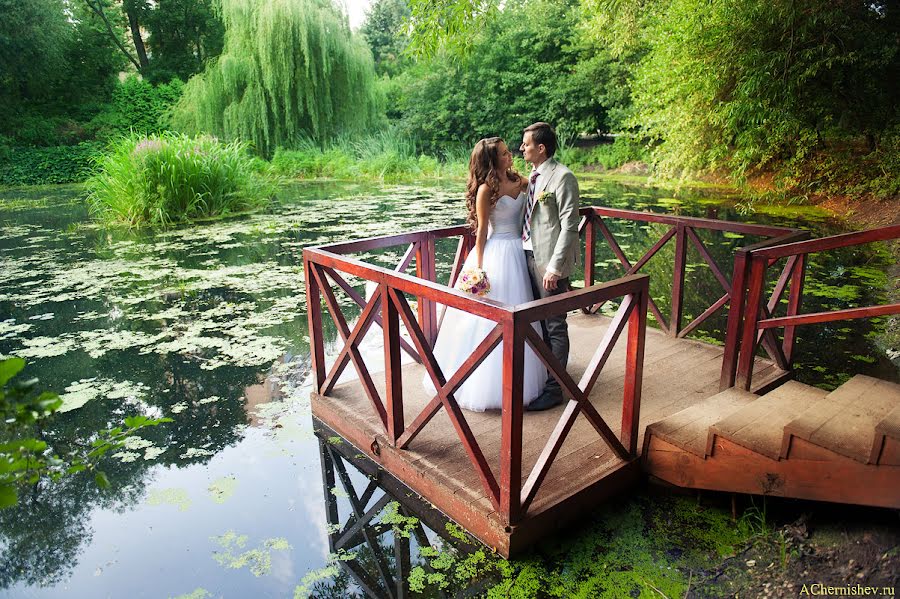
(796,441)
(678,373)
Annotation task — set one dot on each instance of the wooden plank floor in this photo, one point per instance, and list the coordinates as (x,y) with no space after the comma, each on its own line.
(677,374)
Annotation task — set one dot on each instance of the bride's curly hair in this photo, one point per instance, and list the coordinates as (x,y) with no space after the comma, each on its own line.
(483,169)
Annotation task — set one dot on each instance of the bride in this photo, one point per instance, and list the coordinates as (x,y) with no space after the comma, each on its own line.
(495,198)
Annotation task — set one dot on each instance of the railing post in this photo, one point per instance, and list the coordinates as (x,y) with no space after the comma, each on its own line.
(314,323)
(511,433)
(390,324)
(735,319)
(425,269)
(590,242)
(794,300)
(678,278)
(634,372)
(751,318)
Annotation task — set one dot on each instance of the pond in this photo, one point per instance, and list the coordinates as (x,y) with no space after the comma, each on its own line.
(207,325)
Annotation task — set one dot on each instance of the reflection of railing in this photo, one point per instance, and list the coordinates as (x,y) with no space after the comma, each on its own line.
(388,307)
(683,230)
(376,555)
(758,323)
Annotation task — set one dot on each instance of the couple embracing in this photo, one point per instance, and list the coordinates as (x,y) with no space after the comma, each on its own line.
(526,238)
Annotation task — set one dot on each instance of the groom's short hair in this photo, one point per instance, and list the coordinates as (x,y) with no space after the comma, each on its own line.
(543,133)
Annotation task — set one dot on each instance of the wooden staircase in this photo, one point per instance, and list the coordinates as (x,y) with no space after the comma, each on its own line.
(795,441)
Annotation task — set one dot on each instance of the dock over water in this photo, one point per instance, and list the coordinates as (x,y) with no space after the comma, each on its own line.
(639,399)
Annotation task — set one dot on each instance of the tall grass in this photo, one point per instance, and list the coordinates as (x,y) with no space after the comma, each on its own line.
(169,178)
(385,156)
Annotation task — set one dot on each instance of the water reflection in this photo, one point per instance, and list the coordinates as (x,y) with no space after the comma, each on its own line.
(378,528)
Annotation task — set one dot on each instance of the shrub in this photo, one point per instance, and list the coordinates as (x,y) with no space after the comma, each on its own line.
(40,166)
(168,178)
(137,106)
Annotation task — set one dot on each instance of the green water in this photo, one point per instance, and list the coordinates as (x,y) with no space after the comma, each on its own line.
(207,325)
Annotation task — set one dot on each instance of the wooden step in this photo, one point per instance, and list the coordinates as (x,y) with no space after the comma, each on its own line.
(759,426)
(689,428)
(845,421)
(886,448)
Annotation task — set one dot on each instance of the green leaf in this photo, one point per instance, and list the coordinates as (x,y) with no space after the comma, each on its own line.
(8,495)
(10,368)
(102,481)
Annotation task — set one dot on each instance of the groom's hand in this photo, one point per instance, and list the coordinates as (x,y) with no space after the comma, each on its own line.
(550,280)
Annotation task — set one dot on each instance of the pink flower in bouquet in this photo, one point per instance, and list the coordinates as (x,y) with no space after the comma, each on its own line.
(474,281)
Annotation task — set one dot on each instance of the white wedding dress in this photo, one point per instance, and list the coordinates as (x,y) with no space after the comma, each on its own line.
(461,332)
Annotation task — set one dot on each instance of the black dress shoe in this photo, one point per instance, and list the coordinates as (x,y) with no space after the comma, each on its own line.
(546,400)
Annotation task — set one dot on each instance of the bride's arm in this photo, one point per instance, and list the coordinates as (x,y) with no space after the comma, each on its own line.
(482,213)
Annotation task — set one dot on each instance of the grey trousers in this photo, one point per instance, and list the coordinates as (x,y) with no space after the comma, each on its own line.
(555,328)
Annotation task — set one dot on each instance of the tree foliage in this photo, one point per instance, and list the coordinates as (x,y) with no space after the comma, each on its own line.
(385,31)
(526,65)
(289,68)
(752,83)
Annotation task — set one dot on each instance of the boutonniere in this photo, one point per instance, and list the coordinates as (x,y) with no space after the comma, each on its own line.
(546,196)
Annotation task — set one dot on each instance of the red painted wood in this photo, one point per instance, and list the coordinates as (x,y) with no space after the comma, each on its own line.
(458,261)
(706,314)
(678,280)
(558,371)
(432,329)
(459,377)
(578,298)
(634,373)
(590,245)
(756,284)
(548,454)
(798,275)
(690,221)
(392,366)
(407,257)
(614,245)
(735,320)
(511,431)
(598,360)
(314,323)
(692,235)
(361,302)
(781,284)
(350,340)
(411,285)
(833,242)
(818,317)
(371,243)
(470,444)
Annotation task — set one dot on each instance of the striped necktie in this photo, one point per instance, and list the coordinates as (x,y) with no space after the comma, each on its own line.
(526,230)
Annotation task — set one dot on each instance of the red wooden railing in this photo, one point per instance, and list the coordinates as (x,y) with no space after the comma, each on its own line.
(388,306)
(758,324)
(683,230)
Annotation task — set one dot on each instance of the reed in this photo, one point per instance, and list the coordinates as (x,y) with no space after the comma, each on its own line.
(166,179)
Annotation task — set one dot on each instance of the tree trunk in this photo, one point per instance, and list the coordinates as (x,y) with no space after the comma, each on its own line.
(138,40)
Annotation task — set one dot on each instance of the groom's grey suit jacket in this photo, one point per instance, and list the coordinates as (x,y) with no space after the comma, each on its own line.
(554,221)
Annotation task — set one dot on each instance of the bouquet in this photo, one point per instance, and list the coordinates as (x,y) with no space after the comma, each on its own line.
(475,281)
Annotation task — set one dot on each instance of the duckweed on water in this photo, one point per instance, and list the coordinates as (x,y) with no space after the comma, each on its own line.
(646,547)
(258,560)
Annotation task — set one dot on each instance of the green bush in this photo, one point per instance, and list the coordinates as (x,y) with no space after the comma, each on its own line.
(137,107)
(169,178)
(40,166)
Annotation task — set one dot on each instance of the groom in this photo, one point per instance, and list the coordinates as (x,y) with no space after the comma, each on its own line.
(550,239)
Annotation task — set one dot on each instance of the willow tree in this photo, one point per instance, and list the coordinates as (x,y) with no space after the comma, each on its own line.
(289,69)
